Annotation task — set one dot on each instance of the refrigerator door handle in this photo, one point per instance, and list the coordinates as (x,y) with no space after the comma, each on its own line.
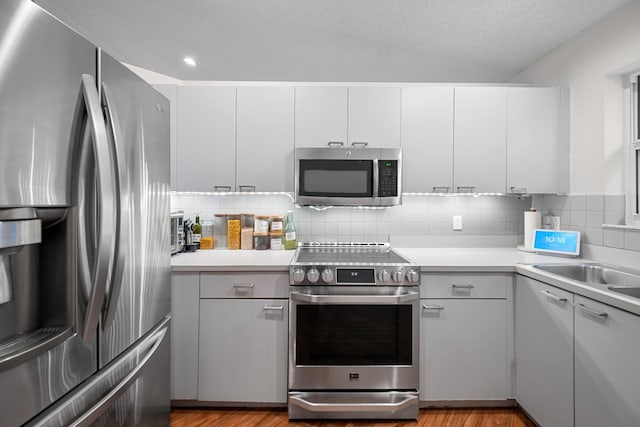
(102,269)
(113,291)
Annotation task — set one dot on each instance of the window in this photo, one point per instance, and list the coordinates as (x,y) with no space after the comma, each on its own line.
(633,189)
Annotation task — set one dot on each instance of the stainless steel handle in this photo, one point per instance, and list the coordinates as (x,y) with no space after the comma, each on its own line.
(243,285)
(518,190)
(26,346)
(352,407)
(466,189)
(441,189)
(592,312)
(432,307)
(554,297)
(456,286)
(362,144)
(354,299)
(246,188)
(106,240)
(376,177)
(113,291)
(273,307)
(335,144)
(222,188)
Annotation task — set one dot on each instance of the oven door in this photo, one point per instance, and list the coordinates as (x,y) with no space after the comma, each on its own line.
(354,338)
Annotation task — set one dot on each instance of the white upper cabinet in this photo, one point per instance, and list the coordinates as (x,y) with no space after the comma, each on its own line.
(427,139)
(374,116)
(533,140)
(265,138)
(206,135)
(480,133)
(320,115)
(171,93)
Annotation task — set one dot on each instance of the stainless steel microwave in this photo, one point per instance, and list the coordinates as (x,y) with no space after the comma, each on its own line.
(177,232)
(331,176)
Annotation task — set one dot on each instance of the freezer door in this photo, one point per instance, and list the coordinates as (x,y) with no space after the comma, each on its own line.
(133,390)
(41,61)
(138,122)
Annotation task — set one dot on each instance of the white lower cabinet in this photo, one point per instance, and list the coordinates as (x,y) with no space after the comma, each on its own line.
(243,350)
(544,352)
(463,341)
(607,353)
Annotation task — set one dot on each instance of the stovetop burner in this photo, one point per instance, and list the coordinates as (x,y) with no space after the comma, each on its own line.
(348,253)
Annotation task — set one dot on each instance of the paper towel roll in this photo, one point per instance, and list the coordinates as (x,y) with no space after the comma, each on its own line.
(532,220)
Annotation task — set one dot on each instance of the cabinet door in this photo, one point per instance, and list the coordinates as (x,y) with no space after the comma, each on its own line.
(480,134)
(427,138)
(374,116)
(206,148)
(243,350)
(607,378)
(533,140)
(171,93)
(185,304)
(320,115)
(544,352)
(265,138)
(463,349)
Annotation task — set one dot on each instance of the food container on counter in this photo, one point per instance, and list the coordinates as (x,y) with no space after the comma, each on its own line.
(261,224)
(234,224)
(277,224)
(276,241)
(220,231)
(206,237)
(261,241)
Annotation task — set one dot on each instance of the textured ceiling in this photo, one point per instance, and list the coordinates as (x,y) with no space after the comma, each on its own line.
(332,40)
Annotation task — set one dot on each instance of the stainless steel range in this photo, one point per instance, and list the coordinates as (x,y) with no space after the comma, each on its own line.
(353,332)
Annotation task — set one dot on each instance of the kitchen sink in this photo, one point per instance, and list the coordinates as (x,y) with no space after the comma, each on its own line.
(632,291)
(598,274)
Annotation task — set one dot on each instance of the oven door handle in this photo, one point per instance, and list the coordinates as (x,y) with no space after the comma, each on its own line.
(353,407)
(355,299)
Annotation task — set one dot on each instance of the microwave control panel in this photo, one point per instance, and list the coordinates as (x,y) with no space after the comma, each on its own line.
(387,178)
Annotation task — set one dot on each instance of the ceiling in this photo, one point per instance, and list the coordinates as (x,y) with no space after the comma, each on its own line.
(332,40)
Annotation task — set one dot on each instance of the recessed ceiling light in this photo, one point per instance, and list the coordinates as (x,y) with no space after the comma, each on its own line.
(189,61)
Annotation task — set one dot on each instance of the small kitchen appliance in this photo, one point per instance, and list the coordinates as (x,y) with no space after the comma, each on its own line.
(353,332)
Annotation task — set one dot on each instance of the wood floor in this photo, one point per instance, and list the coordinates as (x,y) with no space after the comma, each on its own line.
(234,417)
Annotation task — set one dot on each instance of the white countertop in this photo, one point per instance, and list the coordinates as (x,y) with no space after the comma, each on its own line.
(226,260)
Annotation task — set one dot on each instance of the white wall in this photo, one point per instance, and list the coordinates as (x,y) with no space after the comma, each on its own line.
(590,65)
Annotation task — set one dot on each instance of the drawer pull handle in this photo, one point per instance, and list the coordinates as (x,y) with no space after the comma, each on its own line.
(458,286)
(432,307)
(591,311)
(554,297)
(244,286)
(273,307)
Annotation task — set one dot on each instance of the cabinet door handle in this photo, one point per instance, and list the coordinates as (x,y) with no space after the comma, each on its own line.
(592,312)
(246,188)
(518,190)
(554,297)
(273,307)
(362,144)
(458,286)
(466,189)
(243,285)
(441,189)
(222,188)
(335,144)
(432,307)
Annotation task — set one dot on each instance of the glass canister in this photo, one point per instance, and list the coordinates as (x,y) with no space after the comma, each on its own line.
(246,232)
(261,241)
(206,238)
(261,224)
(233,231)
(276,241)
(220,231)
(277,224)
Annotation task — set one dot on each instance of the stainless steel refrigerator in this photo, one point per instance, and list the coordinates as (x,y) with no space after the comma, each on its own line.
(84,231)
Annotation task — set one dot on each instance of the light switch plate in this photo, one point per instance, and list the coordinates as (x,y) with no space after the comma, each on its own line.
(457,222)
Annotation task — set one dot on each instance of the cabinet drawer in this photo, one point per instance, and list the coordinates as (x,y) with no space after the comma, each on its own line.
(244,285)
(465,285)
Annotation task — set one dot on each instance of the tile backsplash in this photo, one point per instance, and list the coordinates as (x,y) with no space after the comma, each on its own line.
(419,215)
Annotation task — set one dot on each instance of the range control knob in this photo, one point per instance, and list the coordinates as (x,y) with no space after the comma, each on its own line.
(397,276)
(384,276)
(327,275)
(298,275)
(313,275)
(412,276)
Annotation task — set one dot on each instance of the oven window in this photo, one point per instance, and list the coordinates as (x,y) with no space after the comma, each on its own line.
(336,178)
(353,335)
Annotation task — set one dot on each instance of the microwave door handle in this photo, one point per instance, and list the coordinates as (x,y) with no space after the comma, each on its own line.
(120,249)
(375,178)
(106,206)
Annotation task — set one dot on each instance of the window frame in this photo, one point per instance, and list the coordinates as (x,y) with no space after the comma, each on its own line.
(632,141)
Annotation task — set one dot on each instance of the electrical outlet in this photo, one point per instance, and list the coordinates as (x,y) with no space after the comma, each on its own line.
(457,222)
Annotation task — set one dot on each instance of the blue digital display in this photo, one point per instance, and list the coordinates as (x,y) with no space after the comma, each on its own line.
(562,242)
